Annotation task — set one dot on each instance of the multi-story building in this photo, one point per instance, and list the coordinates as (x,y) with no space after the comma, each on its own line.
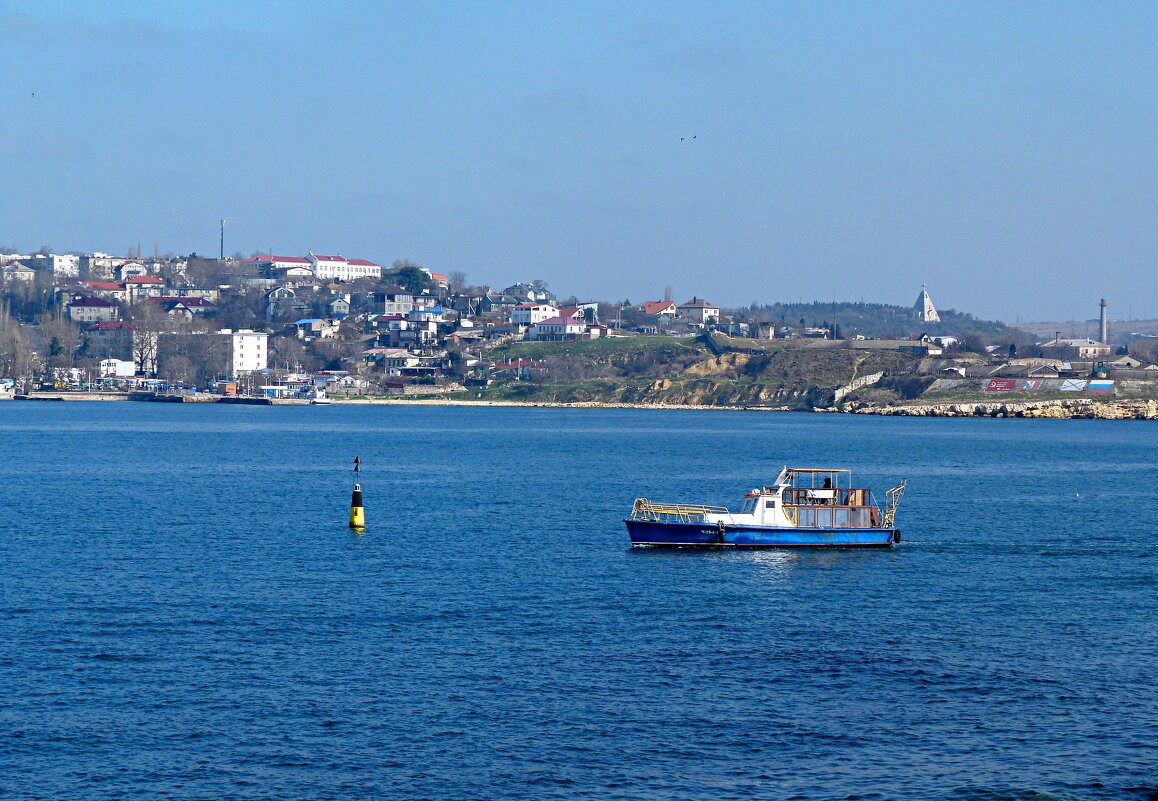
(66,266)
(245,351)
(699,310)
(83,309)
(533,313)
(330,268)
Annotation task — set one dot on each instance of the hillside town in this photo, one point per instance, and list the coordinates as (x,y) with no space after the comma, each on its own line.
(318,325)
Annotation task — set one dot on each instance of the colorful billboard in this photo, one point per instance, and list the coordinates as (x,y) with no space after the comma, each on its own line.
(1001,385)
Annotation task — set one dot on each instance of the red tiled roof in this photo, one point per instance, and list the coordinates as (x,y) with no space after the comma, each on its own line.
(144,279)
(361,263)
(657,306)
(108,286)
(320,257)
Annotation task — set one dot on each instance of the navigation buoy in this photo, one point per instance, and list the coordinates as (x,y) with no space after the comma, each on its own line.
(357,510)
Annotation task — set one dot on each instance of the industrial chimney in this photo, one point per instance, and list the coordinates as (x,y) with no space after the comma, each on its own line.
(1105,326)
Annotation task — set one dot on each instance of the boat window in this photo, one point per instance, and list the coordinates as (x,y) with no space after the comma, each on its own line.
(843,517)
(770,504)
(748,507)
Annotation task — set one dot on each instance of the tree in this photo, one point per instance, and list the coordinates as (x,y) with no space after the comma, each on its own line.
(15,354)
(457,281)
(1145,349)
(288,353)
(412,278)
(63,337)
(1012,349)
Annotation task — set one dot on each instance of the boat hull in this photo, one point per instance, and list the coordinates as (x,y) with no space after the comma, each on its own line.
(685,535)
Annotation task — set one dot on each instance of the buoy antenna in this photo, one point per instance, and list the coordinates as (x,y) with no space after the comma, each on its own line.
(357,509)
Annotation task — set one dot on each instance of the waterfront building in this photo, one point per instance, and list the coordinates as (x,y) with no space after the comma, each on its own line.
(246,351)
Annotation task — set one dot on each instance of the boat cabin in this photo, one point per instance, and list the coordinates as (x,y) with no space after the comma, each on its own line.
(811,497)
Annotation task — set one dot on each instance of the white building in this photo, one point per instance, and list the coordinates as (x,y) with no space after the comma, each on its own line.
(330,268)
(699,310)
(118,368)
(533,313)
(61,266)
(558,328)
(246,350)
(926,311)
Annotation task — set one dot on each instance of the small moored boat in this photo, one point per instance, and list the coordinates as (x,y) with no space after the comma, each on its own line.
(805,507)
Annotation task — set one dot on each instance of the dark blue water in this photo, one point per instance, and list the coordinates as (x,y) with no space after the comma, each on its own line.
(184,614)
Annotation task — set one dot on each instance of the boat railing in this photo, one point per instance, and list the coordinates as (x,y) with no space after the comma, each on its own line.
(643,509)
(892,501)
(828,496)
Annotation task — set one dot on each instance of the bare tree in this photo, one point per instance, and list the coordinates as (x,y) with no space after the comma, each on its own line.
(63,338)
(15,353)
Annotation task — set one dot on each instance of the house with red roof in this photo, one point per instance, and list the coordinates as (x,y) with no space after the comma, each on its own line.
(667,308)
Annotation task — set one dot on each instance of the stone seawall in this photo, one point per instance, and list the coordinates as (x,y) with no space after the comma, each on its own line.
(1078,408)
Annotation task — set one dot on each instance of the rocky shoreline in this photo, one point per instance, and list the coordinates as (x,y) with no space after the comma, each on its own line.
(1068,409)
(1076,409)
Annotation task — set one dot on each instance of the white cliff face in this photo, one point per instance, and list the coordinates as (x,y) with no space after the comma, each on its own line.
(1058,409)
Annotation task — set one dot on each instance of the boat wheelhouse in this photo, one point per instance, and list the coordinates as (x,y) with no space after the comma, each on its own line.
(804,507)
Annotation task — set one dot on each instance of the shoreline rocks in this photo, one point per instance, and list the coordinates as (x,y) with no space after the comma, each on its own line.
(1076,409)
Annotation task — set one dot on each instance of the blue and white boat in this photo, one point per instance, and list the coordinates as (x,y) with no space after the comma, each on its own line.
(806,507)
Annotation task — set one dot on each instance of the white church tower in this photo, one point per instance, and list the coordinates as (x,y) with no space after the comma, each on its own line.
(926,311)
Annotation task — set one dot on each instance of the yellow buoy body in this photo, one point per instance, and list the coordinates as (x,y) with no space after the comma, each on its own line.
(357,511)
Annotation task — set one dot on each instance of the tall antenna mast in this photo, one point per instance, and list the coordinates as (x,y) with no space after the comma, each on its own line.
(222,256)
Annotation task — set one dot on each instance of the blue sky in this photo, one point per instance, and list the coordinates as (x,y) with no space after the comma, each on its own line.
(1004,154)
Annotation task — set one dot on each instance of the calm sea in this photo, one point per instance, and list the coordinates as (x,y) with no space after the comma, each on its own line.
(184,614)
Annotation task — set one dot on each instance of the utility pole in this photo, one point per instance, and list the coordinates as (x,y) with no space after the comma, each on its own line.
(222,256)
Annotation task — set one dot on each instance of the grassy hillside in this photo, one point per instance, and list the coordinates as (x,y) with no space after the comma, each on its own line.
(684,372)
